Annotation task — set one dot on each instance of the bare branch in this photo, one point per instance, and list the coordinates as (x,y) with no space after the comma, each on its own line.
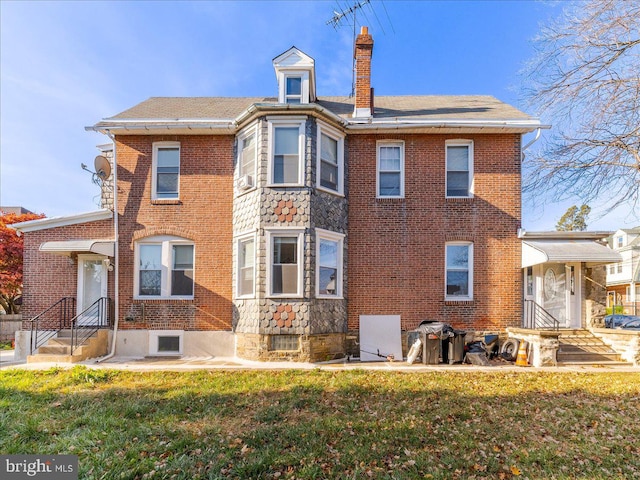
(585,80)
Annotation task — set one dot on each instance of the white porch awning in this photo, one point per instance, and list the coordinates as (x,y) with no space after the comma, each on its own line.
(535,252)
(101,247)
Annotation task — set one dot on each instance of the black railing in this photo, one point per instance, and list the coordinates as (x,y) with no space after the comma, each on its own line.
(537,318)
(48,323)
(89,321)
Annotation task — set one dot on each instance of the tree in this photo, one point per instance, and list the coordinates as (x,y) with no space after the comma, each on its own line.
(574,219)
(586,81)
(11,247)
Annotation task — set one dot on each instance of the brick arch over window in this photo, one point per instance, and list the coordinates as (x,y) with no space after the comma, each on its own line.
(185,233)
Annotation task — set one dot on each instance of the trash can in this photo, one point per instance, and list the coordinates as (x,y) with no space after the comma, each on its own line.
(431,351)
(456,347)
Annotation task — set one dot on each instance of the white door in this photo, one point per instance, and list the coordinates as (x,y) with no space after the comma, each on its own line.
(92,285)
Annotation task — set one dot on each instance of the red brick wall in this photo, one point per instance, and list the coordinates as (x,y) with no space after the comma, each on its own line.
(397,247)
(203,214)
(49,277)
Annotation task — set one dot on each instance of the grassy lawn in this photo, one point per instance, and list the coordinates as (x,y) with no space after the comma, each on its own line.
(320,424)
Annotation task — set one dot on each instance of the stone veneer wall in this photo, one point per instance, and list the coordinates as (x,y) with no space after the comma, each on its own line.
(321,323)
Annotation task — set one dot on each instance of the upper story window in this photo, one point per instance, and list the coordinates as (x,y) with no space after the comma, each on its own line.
(459,271)
(246,266)
(165,268)
(459,163)
(293,89)
(330,160)
(286,152)
(390,169)
(620,242)
(247,153)
(166,170)
(329,246)
(284,272)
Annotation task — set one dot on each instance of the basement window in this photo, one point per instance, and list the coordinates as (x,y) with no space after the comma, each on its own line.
(165,342)
(289,343)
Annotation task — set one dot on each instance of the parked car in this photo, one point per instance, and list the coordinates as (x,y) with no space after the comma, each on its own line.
(616,320)
(631,324)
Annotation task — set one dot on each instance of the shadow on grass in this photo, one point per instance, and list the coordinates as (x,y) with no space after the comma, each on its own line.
(326,424)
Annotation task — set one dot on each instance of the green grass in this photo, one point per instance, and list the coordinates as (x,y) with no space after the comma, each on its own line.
(320,424)
(6,346)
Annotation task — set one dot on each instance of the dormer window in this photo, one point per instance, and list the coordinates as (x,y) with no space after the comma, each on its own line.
(296,76)
(293,89)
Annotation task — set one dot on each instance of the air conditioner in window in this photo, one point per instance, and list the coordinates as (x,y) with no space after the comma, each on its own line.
(245,182)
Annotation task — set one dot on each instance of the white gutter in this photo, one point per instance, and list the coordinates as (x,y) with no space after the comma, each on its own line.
(116,270)
(365,124)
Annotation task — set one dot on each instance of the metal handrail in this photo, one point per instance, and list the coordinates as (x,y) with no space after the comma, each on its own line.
(66,306)
(89,321)
(536,317)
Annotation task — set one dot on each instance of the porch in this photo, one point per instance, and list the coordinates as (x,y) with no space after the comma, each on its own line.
(61,334)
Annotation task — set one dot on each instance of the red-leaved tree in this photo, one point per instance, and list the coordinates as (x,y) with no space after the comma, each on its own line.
(11,247)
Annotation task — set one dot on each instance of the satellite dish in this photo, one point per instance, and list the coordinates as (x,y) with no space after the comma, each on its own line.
(103,167)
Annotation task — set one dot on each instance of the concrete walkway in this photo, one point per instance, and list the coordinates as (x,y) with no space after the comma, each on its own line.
(147,364)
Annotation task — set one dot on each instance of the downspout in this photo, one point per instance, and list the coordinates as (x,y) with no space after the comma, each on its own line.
(538,131)
(116,283)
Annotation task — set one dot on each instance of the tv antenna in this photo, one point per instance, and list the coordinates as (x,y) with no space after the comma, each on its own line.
(347,16)
(103,170)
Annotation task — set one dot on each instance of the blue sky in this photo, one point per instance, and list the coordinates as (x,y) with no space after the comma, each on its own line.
(66,65)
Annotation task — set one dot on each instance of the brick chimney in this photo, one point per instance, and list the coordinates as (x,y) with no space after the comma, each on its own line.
(362,54)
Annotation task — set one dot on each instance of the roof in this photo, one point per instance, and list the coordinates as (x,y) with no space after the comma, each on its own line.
(53,222)
(568,235)
(535,252)
(432,111)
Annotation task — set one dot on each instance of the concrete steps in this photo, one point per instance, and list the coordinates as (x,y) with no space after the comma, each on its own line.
(581,347)
(58,349)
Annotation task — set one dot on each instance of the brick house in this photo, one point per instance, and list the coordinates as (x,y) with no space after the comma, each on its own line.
(266,227)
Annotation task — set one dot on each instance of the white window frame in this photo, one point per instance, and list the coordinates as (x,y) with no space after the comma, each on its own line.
(289,122)
(619,241)
(304,85)
(459,143)
(276,232)
(154,336)
(241,239)
(166,258)
(322,234)
(339,138)
(241,138)
(390,143)
(154,169)
(469,296)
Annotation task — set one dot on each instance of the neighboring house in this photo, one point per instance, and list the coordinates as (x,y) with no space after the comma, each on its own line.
(267,226)
(563,271)
(15,210)
(623,278)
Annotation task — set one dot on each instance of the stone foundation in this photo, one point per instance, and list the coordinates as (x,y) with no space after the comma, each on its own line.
(311,348)
(625,342)
(544,344)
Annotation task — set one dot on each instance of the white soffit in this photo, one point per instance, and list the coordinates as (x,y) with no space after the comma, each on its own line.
(535,252)
(101,247)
